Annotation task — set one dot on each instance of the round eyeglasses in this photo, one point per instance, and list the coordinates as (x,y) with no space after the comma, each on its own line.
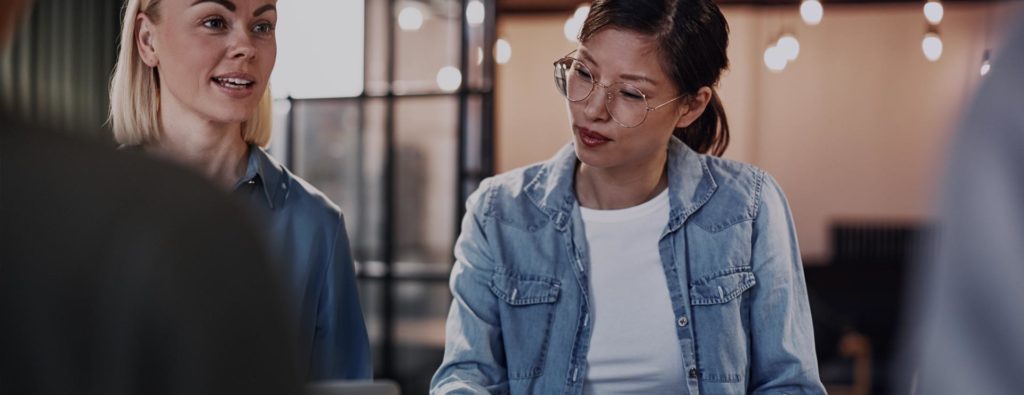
(626,103)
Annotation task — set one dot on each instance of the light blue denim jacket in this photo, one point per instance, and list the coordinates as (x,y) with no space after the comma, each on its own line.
(519,321)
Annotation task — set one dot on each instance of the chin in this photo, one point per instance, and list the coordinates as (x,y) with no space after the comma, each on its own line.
(590,158)
(231,114)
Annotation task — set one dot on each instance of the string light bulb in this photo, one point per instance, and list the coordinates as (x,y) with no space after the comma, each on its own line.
(575,23)
(933,12)
(775,59)
(811,11)
(475,12)
(931,45)
(449,79)
(410,19)
(789,46)
(986,64)
(502,51)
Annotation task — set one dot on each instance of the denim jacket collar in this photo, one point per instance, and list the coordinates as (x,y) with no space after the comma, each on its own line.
(270,175)
(690,185)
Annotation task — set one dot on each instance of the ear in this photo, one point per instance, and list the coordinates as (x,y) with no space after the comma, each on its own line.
(694,107)
(145,40)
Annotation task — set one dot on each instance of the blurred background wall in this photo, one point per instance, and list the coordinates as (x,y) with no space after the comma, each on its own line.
(57,69)
(853,128)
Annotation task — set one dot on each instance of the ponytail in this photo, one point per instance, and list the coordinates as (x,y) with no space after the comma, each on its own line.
(709,134)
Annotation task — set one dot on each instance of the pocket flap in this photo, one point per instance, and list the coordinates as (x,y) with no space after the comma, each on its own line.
(721,287)
(523,289)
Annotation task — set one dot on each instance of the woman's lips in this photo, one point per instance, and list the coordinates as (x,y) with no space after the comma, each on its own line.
(237,85)
(591,138)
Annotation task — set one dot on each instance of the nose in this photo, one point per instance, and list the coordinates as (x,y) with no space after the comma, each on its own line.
(241,46)
(595,107)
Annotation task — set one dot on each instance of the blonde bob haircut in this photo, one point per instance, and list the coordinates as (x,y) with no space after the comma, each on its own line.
(135,90)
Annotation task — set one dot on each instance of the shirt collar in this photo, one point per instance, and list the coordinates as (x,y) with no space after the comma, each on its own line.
(690,184)
(268,175)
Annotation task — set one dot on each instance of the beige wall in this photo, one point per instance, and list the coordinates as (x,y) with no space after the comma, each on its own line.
(854,128)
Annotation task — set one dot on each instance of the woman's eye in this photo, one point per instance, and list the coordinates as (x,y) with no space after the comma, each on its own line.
(215,23)
(583,74)
(263,28)
(631,95)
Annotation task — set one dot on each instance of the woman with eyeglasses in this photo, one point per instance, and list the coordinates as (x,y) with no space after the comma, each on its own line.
(635,260)
(191,85)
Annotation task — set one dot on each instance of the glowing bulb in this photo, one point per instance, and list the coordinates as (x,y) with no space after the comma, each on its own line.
(502,51)
(932,46)
(986,66)
(572,29)
(812,12)
(933,12)
(582,12)
(475,12)
(789,46)
(575,23)
(449,78)
(774,59)
(410,19)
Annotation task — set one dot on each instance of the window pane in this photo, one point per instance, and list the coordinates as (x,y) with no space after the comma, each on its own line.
(423,52)
(319,49)
(425,189)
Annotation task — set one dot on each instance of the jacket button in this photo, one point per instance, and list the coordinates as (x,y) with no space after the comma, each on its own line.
(683,321)
(693,373)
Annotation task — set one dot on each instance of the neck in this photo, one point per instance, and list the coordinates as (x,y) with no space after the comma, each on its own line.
(623,186)
(214,150)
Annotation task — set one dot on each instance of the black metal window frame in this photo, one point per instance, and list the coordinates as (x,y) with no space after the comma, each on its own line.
(469,175)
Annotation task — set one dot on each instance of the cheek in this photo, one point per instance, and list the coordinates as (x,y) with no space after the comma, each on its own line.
(188,54)
(269,57)
(575,110)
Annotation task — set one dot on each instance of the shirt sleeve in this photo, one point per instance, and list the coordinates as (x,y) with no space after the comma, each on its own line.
(341,347)
(474,355)
(782,350)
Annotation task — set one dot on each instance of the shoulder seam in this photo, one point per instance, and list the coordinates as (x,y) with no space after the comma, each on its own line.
(758,195)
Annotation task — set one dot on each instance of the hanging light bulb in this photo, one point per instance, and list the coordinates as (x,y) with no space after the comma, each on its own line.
(575,23)
(932,46)
(449,79)
(933,12)
(986,66)
(475,12)
(774,59)
(789,46)
(410,19)
(502,51)
(812,12)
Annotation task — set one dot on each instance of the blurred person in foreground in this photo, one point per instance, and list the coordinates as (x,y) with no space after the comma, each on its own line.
(191,85)
(969,337)
(119,275)
(636,260)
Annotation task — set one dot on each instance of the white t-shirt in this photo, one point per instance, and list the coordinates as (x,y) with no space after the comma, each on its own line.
(633,349)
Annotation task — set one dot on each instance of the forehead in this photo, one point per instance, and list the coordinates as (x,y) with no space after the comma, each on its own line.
(623,51)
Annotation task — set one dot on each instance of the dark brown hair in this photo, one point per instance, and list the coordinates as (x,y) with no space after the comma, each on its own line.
(692,36)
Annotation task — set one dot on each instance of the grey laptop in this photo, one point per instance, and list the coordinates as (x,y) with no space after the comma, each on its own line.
(380,387)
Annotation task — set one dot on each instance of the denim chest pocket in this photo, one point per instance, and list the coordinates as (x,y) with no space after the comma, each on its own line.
(526,306)
(720,308)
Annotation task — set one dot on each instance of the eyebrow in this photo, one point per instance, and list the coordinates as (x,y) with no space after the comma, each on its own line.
(627,77)
(231,6)
(227,4)
(261,10)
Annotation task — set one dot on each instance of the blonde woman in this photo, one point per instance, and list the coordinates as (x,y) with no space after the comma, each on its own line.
(191,86)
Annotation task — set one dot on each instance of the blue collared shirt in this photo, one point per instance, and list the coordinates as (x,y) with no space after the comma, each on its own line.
(307,234)
(520,320)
